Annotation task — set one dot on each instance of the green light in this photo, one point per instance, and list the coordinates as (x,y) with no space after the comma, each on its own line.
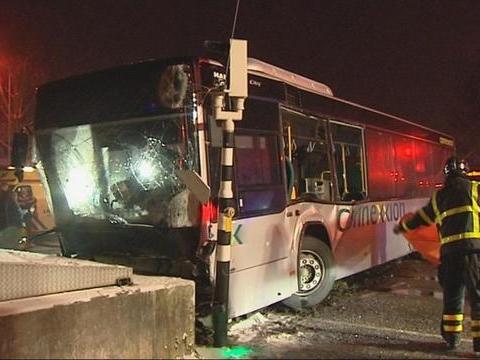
(236,352)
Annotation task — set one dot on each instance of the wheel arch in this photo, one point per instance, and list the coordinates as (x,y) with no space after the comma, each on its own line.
(317,230)
(314,237)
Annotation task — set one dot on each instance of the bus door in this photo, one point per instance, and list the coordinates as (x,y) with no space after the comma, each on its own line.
(308,169)
(358,242)
(261,267)
(349,161)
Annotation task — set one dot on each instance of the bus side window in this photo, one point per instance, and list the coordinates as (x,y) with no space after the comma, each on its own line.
(306,156)
(258,173)
(349,162)
(313,171)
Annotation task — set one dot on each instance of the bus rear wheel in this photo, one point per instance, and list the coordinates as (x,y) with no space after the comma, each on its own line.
(316,274)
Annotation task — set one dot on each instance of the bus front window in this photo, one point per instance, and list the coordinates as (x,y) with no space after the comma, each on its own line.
(125,171)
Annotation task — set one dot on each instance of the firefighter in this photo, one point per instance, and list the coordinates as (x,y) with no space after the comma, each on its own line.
(455,211)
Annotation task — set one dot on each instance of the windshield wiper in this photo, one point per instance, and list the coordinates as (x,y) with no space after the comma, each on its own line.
(116,220)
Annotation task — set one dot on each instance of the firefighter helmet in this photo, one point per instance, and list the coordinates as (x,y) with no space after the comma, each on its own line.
(455,167)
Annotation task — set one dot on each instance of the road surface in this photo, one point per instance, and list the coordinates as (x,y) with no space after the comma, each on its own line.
(391,312)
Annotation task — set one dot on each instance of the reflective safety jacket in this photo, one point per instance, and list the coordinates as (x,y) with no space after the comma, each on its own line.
(455,211)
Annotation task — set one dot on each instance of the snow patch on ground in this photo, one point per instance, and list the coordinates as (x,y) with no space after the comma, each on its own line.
(282,339)
(247,329)
(255,319)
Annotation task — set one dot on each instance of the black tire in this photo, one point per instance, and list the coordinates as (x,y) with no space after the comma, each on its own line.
(317,274)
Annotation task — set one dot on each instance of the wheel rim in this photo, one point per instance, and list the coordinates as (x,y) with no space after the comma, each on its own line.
(312,272)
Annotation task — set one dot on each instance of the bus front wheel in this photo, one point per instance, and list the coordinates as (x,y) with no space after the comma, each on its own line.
(316,274)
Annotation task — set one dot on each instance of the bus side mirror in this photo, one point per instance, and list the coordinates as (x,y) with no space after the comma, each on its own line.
(19,153)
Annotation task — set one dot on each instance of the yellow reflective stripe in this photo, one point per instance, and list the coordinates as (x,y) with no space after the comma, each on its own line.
(403,224)
(452,328)
(475,206)
(425,217)
(475,334)
(455,317)
(475,323)
(435,207)
(467,235)
(454,211)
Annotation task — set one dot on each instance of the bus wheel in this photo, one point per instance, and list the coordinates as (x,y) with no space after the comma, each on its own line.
(316,274)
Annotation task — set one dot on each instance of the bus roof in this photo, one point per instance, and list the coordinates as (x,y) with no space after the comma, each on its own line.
(263,69)
(260,68)
(65,93)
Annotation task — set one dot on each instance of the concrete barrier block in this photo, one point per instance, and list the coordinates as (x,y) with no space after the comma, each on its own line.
(154,318)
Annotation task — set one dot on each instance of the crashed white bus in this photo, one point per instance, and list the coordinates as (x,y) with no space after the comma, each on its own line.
(319,181)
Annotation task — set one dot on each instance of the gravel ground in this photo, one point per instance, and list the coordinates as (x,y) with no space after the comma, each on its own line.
(390,312)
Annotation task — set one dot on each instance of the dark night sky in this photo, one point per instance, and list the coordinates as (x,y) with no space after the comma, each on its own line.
(415,59)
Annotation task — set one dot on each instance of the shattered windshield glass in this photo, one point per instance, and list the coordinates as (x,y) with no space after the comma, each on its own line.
(124,171)
(112,141)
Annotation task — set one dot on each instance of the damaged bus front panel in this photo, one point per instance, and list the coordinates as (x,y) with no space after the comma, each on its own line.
(111,143)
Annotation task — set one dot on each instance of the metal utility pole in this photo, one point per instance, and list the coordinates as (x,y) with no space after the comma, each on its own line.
(227,109)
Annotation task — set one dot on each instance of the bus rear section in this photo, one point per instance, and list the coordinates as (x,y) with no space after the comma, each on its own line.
(320,183)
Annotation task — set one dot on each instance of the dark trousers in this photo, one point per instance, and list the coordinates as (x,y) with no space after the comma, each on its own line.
(457,274)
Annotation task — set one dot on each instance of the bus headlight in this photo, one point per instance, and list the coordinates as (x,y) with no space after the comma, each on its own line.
(79,187)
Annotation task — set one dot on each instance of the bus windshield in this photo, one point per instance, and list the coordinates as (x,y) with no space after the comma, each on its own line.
(123,171)
(111,143)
